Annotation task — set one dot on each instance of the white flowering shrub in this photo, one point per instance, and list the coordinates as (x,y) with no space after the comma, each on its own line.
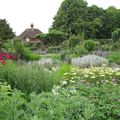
(89,60)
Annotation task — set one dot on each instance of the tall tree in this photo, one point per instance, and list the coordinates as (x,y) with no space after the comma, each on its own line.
(69,15)
(112,21)
(75,17)
(5,30)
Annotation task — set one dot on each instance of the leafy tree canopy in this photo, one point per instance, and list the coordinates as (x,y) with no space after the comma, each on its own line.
(5,30)
(54,37)
(75,17)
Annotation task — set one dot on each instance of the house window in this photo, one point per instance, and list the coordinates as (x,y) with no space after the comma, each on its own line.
(27,39)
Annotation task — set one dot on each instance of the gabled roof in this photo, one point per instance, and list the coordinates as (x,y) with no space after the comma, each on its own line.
(30,32)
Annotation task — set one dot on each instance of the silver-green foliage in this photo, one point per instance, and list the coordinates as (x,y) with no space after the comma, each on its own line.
(89,60)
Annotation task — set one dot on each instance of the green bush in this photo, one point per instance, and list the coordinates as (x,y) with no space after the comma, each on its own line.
(64,45)
(7,71)
(9,46)
(73,41)
(32,77)
(90,45)
(19,49)
(78,101)
(56,49)
(33,46)
(66,56)
(116,35)
(116,46)
(106,47)
(61,70)
(45,106)
(54,37)
(23,52)
(30,56)
(80,50)
(11,104)
(114,57)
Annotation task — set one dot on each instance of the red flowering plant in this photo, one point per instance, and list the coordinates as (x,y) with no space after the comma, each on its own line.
(6,56)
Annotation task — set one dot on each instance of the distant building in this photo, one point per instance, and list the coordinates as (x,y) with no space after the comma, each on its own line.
(29,35)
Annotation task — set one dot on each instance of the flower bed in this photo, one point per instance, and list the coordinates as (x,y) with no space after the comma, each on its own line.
(6,56)
(97,75)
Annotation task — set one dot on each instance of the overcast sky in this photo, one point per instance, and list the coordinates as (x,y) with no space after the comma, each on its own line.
(21,13)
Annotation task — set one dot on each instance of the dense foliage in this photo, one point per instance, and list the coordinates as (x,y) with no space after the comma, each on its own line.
(114,57)
(73,41)
(84,94)
(90,45)
(75,17)
(69,75)
(31,77)
(116,35)
(23,52)
(54,37)
(5,31)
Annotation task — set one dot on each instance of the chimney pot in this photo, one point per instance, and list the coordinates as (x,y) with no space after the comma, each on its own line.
(32,26)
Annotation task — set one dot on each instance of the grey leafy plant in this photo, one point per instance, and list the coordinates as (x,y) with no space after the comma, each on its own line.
(89,60)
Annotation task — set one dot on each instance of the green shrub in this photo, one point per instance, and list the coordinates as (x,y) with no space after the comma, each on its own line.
(45,106)
(54,37)
(30,56)
(33,46)
(61,70)
(9,46)
(78,101)
(24,53)
(64,45)
(114,57)
(88,97)
(104,41)
(54,49)
(73,41)
(7,71)
(80,50)
(2,72)
(19,49)
(106,47)
(116,46)
(33,77)
(11,104)
(90,45)
(116,35)
(66,56)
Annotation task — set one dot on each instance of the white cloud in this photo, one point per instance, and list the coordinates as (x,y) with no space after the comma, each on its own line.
(21,13)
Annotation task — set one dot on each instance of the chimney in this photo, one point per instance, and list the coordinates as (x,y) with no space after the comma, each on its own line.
(32,26)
